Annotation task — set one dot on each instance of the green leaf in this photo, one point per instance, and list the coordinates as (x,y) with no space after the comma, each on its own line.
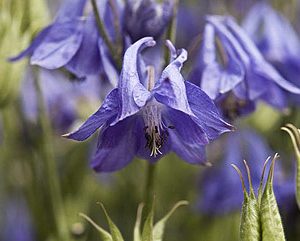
(295,136)
(137,226)
(272,228)
(147,234)
(115,232)
(159,227)
(104,234)
(250,223)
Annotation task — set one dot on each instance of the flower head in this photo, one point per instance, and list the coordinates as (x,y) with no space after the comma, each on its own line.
(72,41)
(149,117)
(147,18)
(266,27)
(242,75)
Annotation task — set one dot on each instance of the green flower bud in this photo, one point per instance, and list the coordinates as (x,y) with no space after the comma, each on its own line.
(272,228)
(250,222)
(295,136)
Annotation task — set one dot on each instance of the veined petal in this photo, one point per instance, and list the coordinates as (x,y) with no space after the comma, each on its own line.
(59,46)
(206,113)
(185,127)
(108,109)
(189,152)
(170,89)
(130,77)
(87,60)
(116,146)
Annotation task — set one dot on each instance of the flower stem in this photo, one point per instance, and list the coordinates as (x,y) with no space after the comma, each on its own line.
(50,162)
(105,36)
(149,187)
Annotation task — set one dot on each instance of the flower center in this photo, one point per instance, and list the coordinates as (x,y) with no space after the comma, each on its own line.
(156,132)
(154,129)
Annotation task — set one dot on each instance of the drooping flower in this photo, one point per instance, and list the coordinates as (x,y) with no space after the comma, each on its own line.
(64,99)
(149,116)
(266,27)
(219,185)
(72,41)
(147,18)
(243,76)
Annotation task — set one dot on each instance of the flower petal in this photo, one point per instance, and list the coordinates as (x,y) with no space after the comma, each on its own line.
(185,127)
(215,78)
(170,89)
(130,77)
(116,146)
(87,60)
(189,152)
(59,46)
(108,109)
(206,113)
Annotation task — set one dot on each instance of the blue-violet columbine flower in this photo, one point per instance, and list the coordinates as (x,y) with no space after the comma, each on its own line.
(72,41)
(148,117)
(266,27)
(219,185)
(232,68)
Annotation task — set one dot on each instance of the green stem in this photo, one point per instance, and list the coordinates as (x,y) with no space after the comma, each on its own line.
(105,36)
(51,168)
(149,188)
(148,191)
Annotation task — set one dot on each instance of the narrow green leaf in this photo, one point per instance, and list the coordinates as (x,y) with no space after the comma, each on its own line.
(147,234)
(115,232)
(104,234)
(250,224)
(272,228)
(159,227)
(137,226)
(295,137)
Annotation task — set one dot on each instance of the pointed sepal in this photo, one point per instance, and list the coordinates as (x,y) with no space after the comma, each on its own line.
(159,227)
(271,223)
(103,233)
(294,133)
(250,223)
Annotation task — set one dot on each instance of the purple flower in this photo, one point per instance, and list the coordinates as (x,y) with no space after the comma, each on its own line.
(243,76)
(266,27)
(62,97)
(72,41)
(148,117)
(221,186)
(147,18)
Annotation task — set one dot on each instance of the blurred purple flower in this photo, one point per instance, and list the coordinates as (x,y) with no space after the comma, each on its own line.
(243,76)
(62,96)
(148,117)
(72,41)
(17,225)
(221,186)
(266,27)
(147,18)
